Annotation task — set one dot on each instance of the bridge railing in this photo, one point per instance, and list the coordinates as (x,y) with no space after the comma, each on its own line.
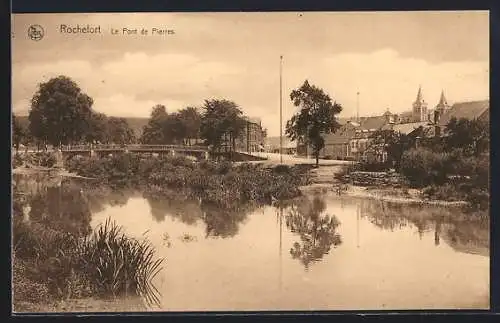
(132,147)
(75,148)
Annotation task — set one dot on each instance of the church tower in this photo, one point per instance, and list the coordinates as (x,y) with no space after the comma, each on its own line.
(441,108)
(419,107)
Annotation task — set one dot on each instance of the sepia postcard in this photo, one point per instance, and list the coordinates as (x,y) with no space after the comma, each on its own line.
(250,161)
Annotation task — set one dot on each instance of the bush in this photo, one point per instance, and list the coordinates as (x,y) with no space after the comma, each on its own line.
(479,199)
(23,288)
(221,183)
(17,160)
(373,166)
(446,192)
(423,167)
(282,169)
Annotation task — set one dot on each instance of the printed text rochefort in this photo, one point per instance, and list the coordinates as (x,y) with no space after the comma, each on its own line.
(79,29)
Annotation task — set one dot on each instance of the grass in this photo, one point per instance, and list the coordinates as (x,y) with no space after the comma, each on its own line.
(118,264)
(52,264)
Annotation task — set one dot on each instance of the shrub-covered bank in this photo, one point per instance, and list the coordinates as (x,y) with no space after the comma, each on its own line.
(221,183)
(448,176)
(41,158)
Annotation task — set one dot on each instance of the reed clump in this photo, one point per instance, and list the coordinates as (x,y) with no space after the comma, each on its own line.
(51,265)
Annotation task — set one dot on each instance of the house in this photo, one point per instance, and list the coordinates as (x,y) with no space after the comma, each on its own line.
(407,128)
(251,139)
(272,145)
(337,143)
(468,110)
(363,135)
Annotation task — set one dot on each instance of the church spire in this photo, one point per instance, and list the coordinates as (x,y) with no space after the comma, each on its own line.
(419,95)
(419,107)
(442,100)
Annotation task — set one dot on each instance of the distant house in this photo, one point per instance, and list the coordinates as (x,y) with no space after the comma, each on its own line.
(251,139)
(468,110)
(272,145)
(407,128)
(337,143)
(363,135)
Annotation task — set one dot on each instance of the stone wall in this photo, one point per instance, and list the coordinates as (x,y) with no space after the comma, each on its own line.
(374,178)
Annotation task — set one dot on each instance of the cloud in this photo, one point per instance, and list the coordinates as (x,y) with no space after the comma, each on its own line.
(387,80)
(132,84)
(128,106)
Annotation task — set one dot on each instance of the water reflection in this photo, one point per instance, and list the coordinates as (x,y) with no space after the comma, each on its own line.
(463,232)
(316,229)
(56,203)
(223,223)
(185,210)
(421,253)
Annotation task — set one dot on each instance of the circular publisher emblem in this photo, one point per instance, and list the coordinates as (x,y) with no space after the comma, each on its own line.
(35,32)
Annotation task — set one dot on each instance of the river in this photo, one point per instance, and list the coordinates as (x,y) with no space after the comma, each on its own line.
(320,252)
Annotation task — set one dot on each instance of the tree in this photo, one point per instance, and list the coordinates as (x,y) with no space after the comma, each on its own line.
(191,120)
(119,131)
(315,118)
(60,112)
(97,131)
(174,130)
(222,121)
(18,132)
(472,136)
(394,143)
(153,132)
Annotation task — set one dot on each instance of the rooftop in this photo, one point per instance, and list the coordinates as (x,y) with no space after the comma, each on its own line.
(469,110)
(406,128)
(372,123)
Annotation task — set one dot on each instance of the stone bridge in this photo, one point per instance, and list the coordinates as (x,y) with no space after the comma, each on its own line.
(200,152)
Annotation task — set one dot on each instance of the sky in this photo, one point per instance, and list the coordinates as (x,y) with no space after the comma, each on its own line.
(385,56)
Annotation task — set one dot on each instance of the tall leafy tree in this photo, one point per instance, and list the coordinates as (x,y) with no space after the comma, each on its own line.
(191,120)
(60,112)
(18,132)
(98,127)
(174,130)
(222,121)
(315,118)
(119,131)
(153,132)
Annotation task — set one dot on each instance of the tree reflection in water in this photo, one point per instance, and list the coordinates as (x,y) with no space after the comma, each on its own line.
(219,222)
(460,230)
(58,204)
(100,199)
(186,210)
(316,229)
(223,222)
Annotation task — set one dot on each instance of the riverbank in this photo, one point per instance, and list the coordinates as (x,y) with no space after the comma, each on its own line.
(223,183)
(394,195)
(46,170)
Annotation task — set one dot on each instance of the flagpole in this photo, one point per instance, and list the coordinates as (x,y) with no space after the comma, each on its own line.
(280,253)
(357,106)
(281,109)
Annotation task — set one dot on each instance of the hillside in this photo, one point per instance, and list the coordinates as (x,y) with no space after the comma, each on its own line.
(135,123)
